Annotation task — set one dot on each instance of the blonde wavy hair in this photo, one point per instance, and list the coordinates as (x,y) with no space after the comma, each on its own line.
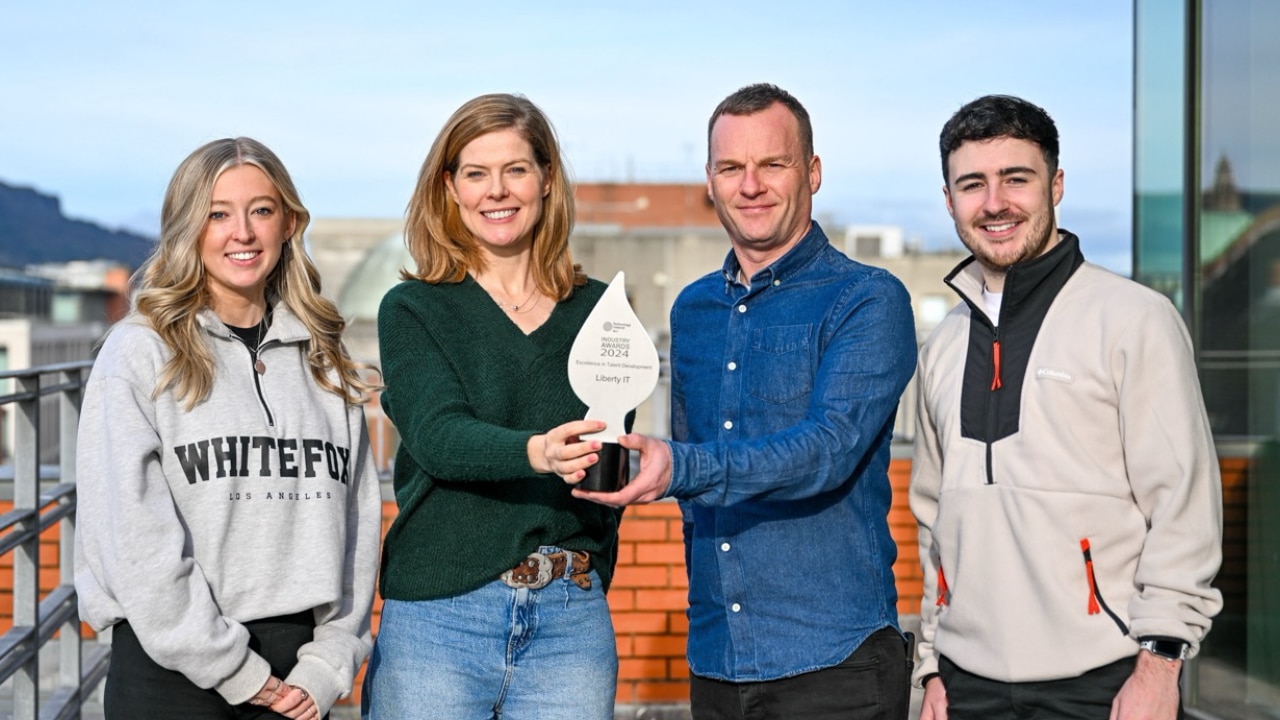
(173,285)
(442,246)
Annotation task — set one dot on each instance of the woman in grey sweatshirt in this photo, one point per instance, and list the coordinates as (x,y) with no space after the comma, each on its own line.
(229,512)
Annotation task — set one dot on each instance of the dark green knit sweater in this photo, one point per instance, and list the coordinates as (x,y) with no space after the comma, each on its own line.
(466,389)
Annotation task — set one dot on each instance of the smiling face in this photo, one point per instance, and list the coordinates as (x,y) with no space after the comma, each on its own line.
(1001,198)
(242,238)
(761,182)
(498,189)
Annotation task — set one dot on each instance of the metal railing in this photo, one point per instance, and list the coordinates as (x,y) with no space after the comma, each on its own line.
(37,506)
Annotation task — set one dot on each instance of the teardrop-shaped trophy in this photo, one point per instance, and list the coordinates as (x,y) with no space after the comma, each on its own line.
(613,367)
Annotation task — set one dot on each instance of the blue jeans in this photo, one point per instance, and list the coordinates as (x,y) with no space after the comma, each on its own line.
(495,653)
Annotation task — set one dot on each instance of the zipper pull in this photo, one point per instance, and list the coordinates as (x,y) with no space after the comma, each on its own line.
(1088,571)
(995,360)
(942,589)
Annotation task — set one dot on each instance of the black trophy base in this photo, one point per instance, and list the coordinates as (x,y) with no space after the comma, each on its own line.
(611,472)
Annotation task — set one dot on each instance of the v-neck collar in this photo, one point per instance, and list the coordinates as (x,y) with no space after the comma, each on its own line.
(493,307)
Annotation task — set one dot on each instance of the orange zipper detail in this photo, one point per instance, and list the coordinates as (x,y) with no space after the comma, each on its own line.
(1088,571)
(995,359)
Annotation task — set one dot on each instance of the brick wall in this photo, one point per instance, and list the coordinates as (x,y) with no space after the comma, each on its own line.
(648,601)
(902,526)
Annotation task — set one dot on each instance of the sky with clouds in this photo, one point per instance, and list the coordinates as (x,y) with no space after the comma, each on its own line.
(100,101)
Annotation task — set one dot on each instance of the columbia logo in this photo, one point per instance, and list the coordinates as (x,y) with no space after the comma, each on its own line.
(1051,374)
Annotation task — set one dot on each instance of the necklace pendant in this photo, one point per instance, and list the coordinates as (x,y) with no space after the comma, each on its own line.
(260,366)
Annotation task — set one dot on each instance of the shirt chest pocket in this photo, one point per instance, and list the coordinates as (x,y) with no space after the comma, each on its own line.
(779,369)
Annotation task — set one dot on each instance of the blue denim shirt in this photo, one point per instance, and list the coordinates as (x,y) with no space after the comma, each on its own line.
(783,398)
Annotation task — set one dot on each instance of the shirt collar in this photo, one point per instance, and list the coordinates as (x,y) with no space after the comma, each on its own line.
(787,266)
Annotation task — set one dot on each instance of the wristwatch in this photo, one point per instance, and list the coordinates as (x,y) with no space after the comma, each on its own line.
(1167,648)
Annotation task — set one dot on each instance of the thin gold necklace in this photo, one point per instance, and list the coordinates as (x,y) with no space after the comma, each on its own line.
(515,308)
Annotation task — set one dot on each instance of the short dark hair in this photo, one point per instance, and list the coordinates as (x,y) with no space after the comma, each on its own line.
(995,116)
(756,98)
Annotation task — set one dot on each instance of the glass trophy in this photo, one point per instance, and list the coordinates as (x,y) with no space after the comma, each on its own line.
(613,367)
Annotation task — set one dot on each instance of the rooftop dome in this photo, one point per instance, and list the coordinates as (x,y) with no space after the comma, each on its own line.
(377,273)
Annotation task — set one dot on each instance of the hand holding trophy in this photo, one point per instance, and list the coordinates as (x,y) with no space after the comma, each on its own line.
(613,367)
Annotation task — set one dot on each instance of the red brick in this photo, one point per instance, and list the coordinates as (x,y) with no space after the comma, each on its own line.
(626,648)
(661,600)
(653,623)
(667,692)
(900,516)
(909,552)
(626,554)
(47,577)
(679,579)
(626,694)
(642,530)
(621,600)
(658,645)
(660,554)
(678,668)
(675,530)
(642,669)
(642,577)
(678,622)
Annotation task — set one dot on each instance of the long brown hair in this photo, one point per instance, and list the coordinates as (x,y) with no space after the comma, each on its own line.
(442,246)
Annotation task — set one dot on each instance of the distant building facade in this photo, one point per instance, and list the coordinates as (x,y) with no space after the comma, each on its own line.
(54,313)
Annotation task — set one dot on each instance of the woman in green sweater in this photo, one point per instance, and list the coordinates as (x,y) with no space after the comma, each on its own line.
(493,574)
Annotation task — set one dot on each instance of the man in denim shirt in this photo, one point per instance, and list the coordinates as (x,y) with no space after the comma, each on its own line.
(787,365)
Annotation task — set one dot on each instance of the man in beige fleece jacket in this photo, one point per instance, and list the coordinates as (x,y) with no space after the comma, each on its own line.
(1065,480)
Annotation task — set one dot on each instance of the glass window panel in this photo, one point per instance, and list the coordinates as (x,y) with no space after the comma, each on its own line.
(1159,99)
(1238,243)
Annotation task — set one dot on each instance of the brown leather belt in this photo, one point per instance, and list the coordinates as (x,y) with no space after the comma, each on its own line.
(539,569)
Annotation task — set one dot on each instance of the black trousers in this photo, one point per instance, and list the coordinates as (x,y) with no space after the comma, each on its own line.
(139,688)
(874,683)
(1087,697)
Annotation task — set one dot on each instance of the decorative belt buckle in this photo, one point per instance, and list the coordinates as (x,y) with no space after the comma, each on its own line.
(534,572)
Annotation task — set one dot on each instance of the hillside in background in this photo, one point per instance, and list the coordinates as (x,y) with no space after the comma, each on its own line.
(33,230)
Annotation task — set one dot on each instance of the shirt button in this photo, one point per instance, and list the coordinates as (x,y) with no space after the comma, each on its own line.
(724,547)
(777,282)
(728,424)
(733,365)
(735,607)
(742,308)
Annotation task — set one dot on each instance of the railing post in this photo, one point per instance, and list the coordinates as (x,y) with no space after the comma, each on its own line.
(26,556)
(69,650)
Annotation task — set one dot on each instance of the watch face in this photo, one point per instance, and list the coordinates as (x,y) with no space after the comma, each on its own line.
(1171,649)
